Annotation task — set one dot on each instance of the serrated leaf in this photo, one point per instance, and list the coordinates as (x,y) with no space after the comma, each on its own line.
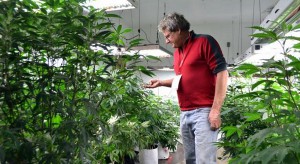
(112,16)
(151,57)
(257,27)
(296,46)
(248,66)
(275,152)
(258,83)
(296,27)
(119,28)
(261,35)
(230,130)
(102,25)
(252,116)
(145,71)
(127,30)
(145,124)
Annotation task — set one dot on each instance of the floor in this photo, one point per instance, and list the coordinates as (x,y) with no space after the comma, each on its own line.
(177,157)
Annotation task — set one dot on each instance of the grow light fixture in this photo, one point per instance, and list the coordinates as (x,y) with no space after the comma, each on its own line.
(273,50)
(111,5)
(153,50)
(145,50)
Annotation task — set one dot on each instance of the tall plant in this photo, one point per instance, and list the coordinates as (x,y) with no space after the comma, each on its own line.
(262,115)
(60,99)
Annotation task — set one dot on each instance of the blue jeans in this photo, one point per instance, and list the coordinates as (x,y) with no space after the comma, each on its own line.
(198,139)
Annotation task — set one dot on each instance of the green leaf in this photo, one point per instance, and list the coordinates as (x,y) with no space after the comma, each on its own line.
(292,38)
(81,18)
(273,154)
(258,28)
(30,4)
(252,116)
(133,43)
(127,30)
(145,71)
(296,46)
(261,35)
(102,35)
(103,25)
(259,83)
(248,68)
(119,28)
(150,57)
(230,130)
(296,27)
(112,16)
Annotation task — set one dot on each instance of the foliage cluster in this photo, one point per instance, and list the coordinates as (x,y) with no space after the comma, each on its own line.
(60,100)
(261,117)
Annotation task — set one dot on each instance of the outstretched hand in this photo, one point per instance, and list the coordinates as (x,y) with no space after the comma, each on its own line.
(152,84)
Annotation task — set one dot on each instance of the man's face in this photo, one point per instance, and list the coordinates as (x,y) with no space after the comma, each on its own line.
(171,37)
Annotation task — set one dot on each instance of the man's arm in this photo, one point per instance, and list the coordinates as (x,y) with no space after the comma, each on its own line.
(220,94)
(157,83)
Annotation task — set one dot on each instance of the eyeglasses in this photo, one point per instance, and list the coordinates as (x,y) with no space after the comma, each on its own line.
(169,35)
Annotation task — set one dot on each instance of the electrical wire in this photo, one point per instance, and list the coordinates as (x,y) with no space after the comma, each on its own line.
(253,15)
(116,29)
(233,36)
(260,11)
(146,36)
(139,30)
(239,29)
(241,26)
(157,39)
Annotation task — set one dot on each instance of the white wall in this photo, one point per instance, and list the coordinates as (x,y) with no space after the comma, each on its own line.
(227,32)
(222,32)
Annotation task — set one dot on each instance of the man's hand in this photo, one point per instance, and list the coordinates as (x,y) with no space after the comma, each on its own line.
(152,84)
(215,119)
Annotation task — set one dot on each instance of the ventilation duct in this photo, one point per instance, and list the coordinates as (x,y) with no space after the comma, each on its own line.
(287,11)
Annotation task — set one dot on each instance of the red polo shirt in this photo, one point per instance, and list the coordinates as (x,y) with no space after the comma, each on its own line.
(198,62)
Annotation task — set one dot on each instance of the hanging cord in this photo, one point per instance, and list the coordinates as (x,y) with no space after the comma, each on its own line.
(253,16)
(108,19)
(157,40)
(260,12)
(233,36)
(131,27)
(146,36)
(165,9)
(139,30)
(241,27)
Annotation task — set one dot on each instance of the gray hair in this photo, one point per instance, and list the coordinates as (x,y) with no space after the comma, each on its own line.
(173,22)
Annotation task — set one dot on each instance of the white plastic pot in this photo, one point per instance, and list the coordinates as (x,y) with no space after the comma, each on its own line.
(148,156)
(163,152)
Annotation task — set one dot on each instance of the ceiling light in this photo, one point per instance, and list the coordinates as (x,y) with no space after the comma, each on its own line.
(166,69)
(153,50)
(273,50)
(111,5)
(144,50)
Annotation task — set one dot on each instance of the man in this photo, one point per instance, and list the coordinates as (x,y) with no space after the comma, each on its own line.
(201,83)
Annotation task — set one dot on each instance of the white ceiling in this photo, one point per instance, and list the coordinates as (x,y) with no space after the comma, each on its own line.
(226,20)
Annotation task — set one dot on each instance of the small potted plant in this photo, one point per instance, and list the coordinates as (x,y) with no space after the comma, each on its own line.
(169,134)
(163,119)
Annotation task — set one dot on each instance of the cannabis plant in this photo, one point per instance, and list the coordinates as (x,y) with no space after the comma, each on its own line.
(63,93)
(261,117)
